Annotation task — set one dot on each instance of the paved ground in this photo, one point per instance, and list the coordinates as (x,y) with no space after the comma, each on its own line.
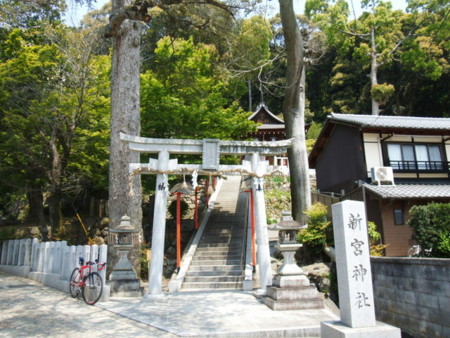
(29,309)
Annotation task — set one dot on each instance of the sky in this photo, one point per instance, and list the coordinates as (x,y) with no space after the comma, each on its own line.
(75,12)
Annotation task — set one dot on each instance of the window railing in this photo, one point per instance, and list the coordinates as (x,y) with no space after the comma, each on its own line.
(422,166)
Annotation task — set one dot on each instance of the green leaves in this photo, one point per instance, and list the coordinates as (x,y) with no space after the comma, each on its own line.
(188,96)
(55,113)
(431,229)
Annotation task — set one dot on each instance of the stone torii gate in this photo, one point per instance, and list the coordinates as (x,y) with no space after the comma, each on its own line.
(211,150)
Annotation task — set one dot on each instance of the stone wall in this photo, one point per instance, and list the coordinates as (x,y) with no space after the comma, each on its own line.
(413,294)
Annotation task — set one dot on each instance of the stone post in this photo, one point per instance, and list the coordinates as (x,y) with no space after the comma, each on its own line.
(27,252)
(64,263)
(102,258)
(57,253)
(71,261)
(40,257)
(4,253)
(9,257)
(34,254)
(15,258)
(79,252)
(45,258)
(21,252)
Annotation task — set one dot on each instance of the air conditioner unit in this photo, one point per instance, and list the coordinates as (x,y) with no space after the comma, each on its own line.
(382,174)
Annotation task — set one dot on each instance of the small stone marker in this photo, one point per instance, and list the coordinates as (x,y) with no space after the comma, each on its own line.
(354,276)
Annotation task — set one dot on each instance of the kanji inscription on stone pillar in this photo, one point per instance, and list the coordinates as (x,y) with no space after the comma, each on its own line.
(353,264)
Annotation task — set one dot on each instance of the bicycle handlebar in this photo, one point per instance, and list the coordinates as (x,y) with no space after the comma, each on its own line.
(82,262)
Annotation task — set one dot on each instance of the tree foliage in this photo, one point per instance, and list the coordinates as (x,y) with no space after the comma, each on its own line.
(430,224)
(189,90)
(408,52)
(54,98)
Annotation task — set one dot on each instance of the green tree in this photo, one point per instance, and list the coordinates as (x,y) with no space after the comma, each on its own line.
(373,39)
(251,55)
(51,96)
(188,89)
(430,224)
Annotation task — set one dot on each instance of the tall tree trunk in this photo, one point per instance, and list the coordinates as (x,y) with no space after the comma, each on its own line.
(55,214)
(250,103)
(55,178)
(36,204)
(294,112)
(125,199)
(373,71)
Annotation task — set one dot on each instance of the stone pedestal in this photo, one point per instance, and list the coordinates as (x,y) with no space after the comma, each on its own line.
(337,329)
(291,289)
(292,293)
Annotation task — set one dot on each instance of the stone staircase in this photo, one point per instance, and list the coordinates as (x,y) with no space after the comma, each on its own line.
(218,262)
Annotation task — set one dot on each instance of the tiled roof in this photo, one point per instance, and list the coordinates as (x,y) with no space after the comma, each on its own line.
(381,121)
(410,191)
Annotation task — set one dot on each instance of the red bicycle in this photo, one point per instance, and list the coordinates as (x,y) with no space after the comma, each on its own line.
(87,282)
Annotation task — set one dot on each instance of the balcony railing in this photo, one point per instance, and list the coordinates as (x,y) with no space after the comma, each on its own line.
(420,166)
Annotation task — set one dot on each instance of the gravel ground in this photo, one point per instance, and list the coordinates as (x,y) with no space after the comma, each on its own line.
(29,309)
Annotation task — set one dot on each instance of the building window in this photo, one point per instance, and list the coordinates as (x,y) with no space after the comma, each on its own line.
(398,217)
(413,157)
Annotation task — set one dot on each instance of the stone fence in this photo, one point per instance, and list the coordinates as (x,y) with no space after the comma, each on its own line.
(413,294)
(49,263)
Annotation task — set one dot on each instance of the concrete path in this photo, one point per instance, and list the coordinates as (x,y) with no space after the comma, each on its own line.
(29,309)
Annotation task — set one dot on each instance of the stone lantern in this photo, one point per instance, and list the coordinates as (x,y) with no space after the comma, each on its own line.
(287,244)
(291,289)
(123,279)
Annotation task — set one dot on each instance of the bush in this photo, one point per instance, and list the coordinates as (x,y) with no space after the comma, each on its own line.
(376,248)
(316,236)
(431,227)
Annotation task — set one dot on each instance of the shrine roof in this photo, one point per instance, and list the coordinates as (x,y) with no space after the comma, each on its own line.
(263,113)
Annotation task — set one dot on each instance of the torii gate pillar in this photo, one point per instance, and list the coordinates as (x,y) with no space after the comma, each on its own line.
(263,251)
(159,225)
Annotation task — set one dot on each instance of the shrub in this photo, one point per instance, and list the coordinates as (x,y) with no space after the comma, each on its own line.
(316,236)
(376,248)
(431,227)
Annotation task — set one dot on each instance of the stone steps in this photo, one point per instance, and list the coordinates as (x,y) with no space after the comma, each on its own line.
(303,304)
(226,271)
(217,258)
(213,286)
(212,279)
(218,261)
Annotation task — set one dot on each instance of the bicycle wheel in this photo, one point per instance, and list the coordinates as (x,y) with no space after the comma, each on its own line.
(93,288)
(75,279)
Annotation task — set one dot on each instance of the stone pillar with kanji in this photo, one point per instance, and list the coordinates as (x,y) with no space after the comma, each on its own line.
(356,300)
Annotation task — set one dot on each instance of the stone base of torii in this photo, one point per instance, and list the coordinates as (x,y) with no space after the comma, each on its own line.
(211,150)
